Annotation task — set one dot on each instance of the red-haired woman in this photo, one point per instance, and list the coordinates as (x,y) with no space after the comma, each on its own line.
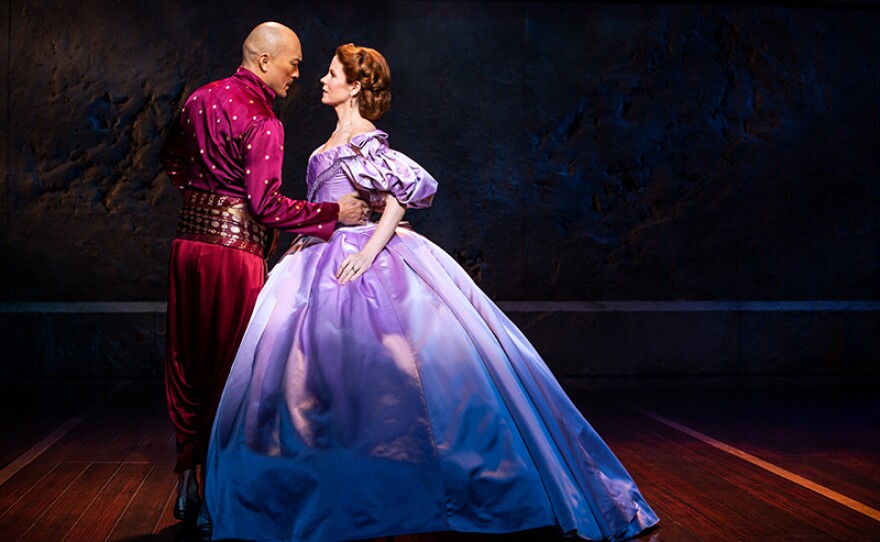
(378,391)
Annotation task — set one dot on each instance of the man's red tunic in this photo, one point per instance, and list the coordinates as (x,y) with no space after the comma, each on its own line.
(226,141)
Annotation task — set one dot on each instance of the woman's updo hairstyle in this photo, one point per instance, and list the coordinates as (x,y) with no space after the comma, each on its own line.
(369,68)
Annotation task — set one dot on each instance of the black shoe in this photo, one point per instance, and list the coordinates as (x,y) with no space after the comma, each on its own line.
(204,525)
(186,509)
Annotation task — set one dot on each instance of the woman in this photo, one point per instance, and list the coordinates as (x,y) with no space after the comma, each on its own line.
(378,391)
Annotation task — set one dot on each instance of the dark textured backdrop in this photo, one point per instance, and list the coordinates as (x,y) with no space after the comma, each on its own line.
(584,152)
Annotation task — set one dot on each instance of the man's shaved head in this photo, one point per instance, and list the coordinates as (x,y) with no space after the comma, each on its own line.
(273,52)
(269,38)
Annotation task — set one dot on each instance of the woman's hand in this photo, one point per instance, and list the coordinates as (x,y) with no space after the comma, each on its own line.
(357,264)
(354,266)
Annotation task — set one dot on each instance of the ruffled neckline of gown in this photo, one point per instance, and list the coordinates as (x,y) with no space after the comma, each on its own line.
(359,141)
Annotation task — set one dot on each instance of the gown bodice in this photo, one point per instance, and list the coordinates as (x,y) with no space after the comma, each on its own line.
(369,166)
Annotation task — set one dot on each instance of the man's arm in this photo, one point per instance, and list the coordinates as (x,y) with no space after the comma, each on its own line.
(173,154)
(263,152)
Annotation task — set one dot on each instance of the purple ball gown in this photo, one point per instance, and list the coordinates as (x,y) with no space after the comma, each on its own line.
(403,402)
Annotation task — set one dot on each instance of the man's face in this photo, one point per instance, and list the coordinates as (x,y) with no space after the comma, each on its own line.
(283,67)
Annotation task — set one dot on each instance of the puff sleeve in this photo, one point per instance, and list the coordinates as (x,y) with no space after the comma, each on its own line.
(376,169)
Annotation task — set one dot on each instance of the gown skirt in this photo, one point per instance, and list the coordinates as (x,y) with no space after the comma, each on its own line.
(403,402)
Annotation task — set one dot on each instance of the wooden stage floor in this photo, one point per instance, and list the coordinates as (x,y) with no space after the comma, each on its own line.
(739,459)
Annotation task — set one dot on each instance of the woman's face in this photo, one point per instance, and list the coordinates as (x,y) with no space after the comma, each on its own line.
(335,88)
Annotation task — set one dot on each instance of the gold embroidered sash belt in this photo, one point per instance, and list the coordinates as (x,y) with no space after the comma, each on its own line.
(220,220)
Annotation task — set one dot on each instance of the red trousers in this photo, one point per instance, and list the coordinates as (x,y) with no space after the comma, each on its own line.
(212,290)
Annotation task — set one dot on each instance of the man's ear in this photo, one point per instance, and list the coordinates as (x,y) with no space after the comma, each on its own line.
(263,62)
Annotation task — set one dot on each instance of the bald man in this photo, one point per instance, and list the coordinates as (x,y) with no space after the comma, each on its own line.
(225,151)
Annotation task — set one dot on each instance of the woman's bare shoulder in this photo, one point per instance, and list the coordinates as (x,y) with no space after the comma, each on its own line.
(362,127)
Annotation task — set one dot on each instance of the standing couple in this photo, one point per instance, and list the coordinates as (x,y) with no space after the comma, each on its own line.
(376,390)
